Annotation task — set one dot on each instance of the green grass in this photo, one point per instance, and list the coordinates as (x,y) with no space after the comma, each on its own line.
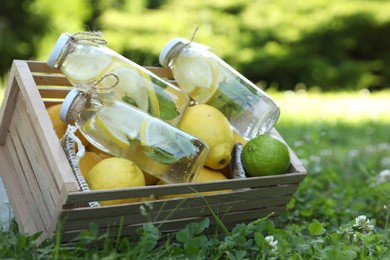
(343,140)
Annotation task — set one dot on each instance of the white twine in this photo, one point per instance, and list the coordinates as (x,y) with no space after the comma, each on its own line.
(81,149)
(74,158)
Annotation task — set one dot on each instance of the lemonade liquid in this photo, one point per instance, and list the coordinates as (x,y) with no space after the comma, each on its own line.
(90,66)
(122,130)
(206,78)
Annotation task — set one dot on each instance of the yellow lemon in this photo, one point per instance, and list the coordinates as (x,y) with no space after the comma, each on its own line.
(59,126)
(114,173)
(89,160)
(150,179)
(265,155)
(239,139)
(210,125)
(205,175)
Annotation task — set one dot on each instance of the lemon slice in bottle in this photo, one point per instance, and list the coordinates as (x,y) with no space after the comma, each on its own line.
(131,88)
(84,67)
(118,125)
(198,76)
(152,93)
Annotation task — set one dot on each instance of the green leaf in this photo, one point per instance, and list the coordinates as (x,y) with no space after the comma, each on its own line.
(161,157)
(183,235)
(191,230)
(259,240)
(316,228)
(198,228)
(129,100)
(234,98)
(168,109)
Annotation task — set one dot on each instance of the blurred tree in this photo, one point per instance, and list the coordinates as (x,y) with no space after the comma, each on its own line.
(328,44)
(20,30)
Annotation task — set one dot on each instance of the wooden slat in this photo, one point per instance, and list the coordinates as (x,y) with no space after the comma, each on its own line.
(139,192)
(161,72)
(51,80)
(261,194)
(50,93)
(40,66)
(49,103)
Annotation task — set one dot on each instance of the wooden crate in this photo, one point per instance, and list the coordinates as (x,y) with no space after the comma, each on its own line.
(44,191)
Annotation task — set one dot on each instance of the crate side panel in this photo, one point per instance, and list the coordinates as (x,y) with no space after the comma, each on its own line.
(178,214)
(28,185)
(9,168)
(43,128)
(182,207)
(228,219)
(40,169)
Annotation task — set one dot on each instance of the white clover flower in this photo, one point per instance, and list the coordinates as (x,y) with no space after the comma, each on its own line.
(299,143)
(384,176)
(143,210)
(369,149)
(385,162)
(315,158)
(272,242)
(363,223)
(353,153)
(384,146)
(326,152)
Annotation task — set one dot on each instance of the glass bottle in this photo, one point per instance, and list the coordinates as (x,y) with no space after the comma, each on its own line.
(206,78)
(122,130)
(91,66)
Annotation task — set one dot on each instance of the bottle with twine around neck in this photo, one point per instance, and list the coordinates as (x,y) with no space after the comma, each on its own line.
(91,66)
(122,130)
(208,79)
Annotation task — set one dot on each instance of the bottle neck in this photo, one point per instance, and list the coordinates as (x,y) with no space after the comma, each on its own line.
(174,52)
(79,38)
(80,102)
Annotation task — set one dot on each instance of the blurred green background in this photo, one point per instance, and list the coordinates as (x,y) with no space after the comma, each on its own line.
(279,44)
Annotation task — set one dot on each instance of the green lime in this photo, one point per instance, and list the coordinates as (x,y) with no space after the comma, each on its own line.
(265,155)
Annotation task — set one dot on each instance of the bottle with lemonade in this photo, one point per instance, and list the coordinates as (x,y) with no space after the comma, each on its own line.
(122,130)
(91,66)
(208,79)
